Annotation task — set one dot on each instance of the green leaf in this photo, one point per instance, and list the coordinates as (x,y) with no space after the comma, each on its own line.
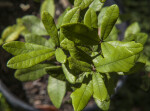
(104,105)
(96,5)
(30,59)
(48,6)
(34,25)
(90,18)
(61,17)
(56,91)
(138,37)
(132,29)
(56,72)
(109,20)
(99,88)
(60,55)
(79,65)
(75,51)
(101,15)
(131,46)
(50,26)
(113,35)
(80,34)
(102,1)
(118,58)
(82,3)
(12,33)
(82,76)
(36,39)
(72,16)
(17,47)
(81,96)
(31,73)
(69,76)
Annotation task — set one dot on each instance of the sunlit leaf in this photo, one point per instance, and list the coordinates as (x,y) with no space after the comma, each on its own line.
(30,74)
(30,59)
(81,96)
(56,91)
(109,20)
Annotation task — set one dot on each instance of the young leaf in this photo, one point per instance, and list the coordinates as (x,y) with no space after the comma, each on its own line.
(99,88)
(90,18)
(72,16)
(30,59)
(80,34)
(31,73)
(79,65)
(17,47)
(109,20)
(69,76)
(56,91)
(116,59)
(82,3)
(60,55)
(49,6)
(132,29)
(81,96)
(50,26)
(96,5)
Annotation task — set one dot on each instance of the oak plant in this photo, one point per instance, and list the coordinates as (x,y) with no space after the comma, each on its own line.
(80,56)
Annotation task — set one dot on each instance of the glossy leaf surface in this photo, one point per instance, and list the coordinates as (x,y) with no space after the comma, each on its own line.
(50,26)
(82,3)
(17,47)
(81,96)
(90,18)
(30,74)
(60,55)
(116,59)
(56,91)
(80,34)
(30,59)
(99,88)
(109,20)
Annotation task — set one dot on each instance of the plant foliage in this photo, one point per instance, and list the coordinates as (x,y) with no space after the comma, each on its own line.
(82,53)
